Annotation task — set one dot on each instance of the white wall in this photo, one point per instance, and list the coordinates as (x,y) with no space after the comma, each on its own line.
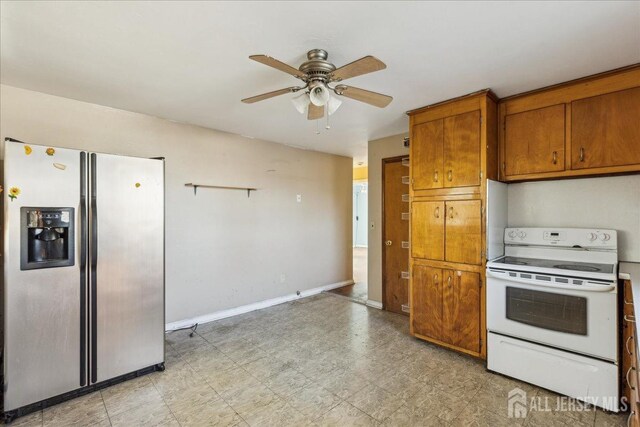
(223,249)
(360,207)
(379,149)
(605,202)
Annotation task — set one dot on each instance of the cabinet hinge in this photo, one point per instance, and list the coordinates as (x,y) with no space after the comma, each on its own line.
(480,176)
(482,211)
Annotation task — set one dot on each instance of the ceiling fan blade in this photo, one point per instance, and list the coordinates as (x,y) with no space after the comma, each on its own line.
(270,95)
(278,65)
(372,98)
(365,65)
(315,112)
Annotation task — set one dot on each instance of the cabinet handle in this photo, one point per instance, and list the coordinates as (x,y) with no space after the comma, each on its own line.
(449,280)
(555,157)
(435,176)
(450,175)
(627,377)
(451,212)
(437,212)
(504,166)
(631,415)
(582,154)
(631,319)
(627,302)
(626,345)
(435,279)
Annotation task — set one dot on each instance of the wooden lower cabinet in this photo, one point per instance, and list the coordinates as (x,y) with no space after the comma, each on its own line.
(446,307)
(461,310)
(426,296)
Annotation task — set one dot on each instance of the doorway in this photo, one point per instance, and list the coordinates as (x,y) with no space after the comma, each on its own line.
(395,234)
(358,292)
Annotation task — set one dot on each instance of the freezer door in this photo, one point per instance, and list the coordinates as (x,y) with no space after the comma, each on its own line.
(127,264)
(44,309)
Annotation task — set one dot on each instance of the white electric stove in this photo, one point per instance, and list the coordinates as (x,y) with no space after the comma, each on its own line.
(552,310)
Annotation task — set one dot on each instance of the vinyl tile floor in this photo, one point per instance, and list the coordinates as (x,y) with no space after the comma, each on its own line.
(318,361)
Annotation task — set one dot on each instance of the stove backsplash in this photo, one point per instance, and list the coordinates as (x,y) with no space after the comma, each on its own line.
(604,202)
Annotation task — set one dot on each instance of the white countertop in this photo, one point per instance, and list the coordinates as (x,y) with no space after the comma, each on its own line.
(629,271)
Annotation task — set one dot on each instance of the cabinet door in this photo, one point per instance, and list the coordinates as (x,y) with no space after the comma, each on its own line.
(605,130)
(426,155)
(462,150)
(427,230)
(463,231)
(534,141)
(461,309)
(426,301)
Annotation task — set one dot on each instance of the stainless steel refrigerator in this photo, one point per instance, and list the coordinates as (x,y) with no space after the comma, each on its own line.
(83,272)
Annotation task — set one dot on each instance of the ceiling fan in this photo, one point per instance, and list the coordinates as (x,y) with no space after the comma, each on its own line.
(317,74)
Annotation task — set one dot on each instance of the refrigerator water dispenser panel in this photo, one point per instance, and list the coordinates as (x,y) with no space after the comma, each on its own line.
(46,237)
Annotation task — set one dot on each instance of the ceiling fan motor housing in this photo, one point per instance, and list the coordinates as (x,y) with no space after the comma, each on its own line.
(317,67)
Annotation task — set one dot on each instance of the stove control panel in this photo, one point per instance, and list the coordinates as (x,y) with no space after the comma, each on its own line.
(562,237)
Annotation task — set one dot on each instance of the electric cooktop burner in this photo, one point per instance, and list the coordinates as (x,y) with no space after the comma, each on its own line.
(556,263)
(577,267)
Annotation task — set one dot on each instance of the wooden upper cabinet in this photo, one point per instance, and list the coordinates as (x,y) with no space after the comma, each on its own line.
(427,230)
(463,231)
(461,309)
(605,130)
(462,150)
(426,155)
(426,293)
(534,141)
(587,127)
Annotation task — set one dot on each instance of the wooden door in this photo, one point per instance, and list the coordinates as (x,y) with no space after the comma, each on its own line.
(463,231)
(395,285)
(605,130)
(461,309)
(426,301)
(462,150)
(426,155)
(427,230)
(534,141)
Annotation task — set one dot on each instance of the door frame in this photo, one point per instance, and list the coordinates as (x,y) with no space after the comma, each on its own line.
(384,253)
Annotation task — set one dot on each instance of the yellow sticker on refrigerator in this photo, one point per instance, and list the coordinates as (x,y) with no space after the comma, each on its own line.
(14,192)
(50,151)
(27,150)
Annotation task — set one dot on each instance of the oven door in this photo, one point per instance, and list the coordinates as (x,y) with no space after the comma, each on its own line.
(574,318)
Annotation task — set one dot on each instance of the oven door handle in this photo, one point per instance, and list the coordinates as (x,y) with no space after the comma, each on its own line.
(504,275)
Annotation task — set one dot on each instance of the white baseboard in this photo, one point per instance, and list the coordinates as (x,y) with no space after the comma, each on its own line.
(374,304)
(205,318)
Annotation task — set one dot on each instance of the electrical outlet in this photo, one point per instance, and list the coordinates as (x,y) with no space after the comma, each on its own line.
(299,198)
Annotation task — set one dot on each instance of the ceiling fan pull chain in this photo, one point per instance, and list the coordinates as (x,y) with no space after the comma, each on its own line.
(326,112)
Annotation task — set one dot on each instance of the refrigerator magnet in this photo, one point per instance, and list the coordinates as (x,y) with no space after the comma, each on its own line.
(59,166)
(138,185)
(50,151)
(27,150)
(14,192)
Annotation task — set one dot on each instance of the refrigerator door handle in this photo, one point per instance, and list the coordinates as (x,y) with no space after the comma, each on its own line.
(93,268)
(83,269)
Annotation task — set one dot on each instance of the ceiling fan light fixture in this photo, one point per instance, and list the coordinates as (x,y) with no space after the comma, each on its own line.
(319,93)
(301,103)
(333,104)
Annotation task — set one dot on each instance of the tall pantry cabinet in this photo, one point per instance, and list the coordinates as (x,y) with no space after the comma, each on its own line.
(453,151)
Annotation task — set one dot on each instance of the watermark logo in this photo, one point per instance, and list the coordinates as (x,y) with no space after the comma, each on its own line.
(517,403)
(518,406)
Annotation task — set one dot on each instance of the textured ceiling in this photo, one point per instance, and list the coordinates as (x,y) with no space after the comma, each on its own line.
(187,61)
